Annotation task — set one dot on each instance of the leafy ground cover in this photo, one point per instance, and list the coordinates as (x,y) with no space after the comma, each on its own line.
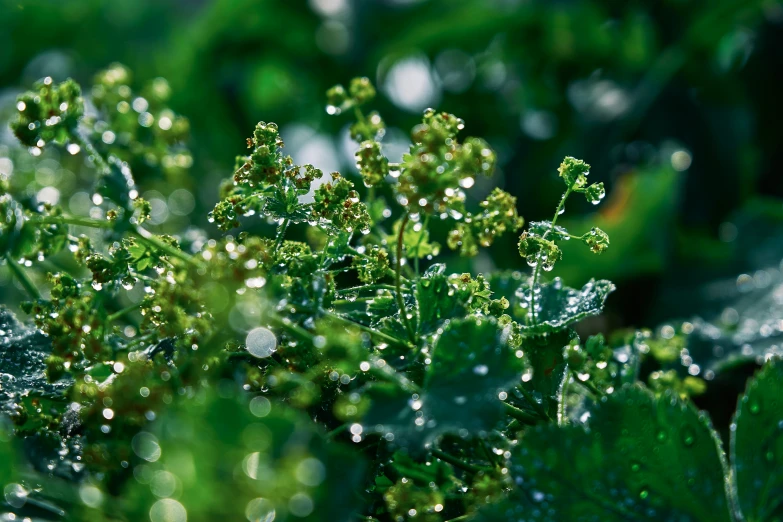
(335,369)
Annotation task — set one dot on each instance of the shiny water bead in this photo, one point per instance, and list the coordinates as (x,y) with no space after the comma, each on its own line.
(595,193)
(261,342)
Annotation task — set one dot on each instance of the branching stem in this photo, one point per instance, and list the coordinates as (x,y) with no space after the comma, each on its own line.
(537,270)
(22,277)
(398,283)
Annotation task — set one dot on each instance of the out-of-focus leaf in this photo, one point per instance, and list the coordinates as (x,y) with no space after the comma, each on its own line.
(748,330)
(221,458)
(757,445)
(471,363)
(641,459)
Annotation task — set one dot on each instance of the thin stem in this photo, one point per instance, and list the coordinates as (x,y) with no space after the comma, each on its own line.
(75,220)
(389,374)
(397,280)
(359,115)
(454,461)
(296,330)
(143,234)
(537,270)
(339,429)
(281,233)
(354,300)
(150,239)
(461,518)
(418,243)
(22,277)
(520,415)
(589,385)
(534,403)
(366,287)
(380,335)
(116,315)
(389,272)
(91,151)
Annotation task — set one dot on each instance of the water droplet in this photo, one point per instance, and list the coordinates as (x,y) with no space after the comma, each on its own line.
(146,446)
(168,510)
(261,342)
(260,510)
(260,406)
(688,436)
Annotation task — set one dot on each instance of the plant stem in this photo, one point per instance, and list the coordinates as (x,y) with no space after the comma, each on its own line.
(152,240)
(418,243)
(380,335)
(143,234)
(366,287)
(91,151)
(298,331)
(351,301)
(454,461)
(389,374)
(537,270)
(521,415)
(534,403)
(397,282)
(75,220)
(116,315)
(339,429)
(589,385)
(389,272)
(22,277)
(281,233)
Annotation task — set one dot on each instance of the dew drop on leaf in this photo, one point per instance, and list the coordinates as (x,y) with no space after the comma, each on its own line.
(688,437)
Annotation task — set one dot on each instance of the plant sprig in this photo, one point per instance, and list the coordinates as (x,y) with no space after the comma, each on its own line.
(337,345)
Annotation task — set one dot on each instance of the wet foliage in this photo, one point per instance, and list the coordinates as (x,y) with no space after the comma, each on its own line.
(335,369)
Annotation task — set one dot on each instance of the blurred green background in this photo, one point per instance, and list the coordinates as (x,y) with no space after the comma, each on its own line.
(675,104)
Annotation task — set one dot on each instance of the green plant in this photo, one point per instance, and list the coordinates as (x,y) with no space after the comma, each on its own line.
(344,376)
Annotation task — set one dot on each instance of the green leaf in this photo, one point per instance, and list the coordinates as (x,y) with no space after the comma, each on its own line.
(23,353)
(757,445)
(642,459)
(284,203)
(23,365)
(557,306)
(545,354)
(471,363)
(436,299)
